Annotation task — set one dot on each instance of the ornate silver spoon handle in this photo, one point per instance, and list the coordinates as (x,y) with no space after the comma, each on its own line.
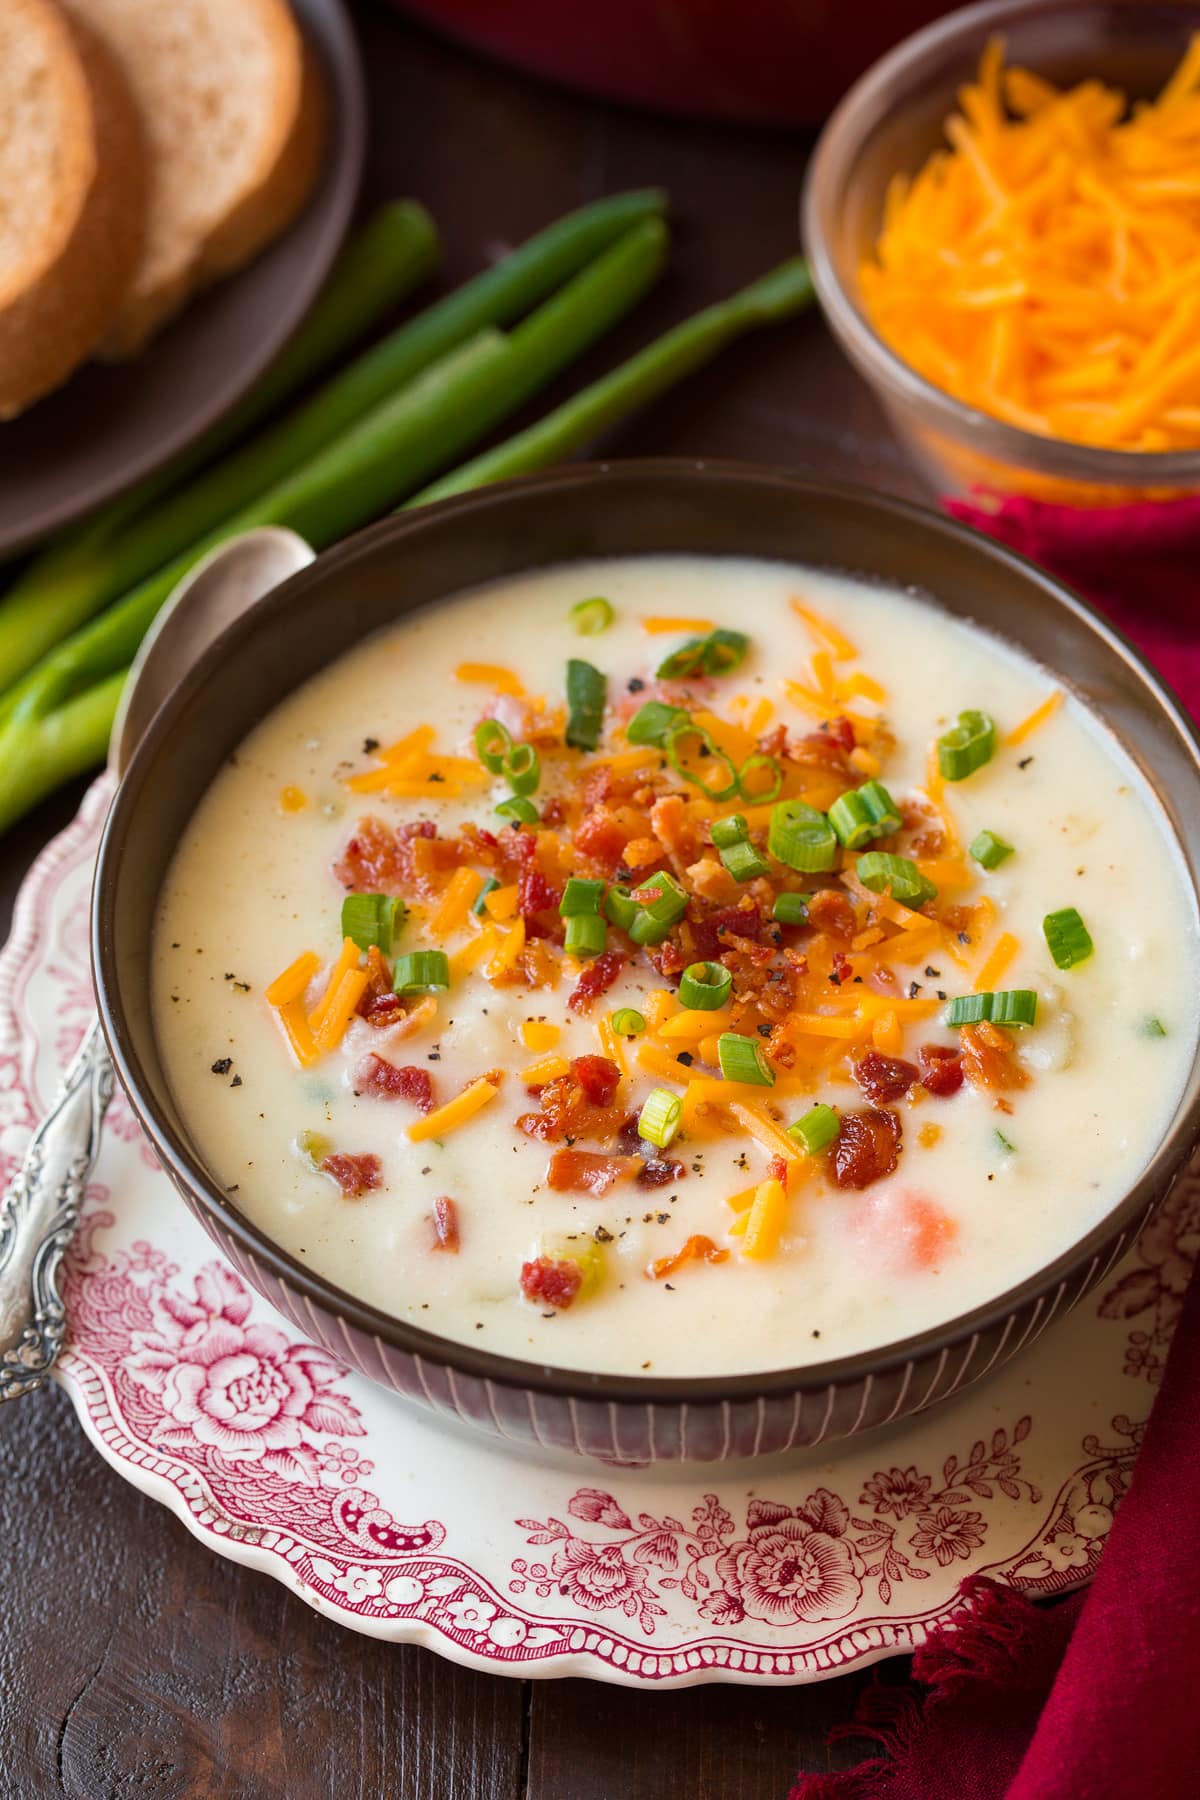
(38,1215)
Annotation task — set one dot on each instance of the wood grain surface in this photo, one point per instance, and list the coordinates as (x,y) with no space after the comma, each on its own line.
(134,1662)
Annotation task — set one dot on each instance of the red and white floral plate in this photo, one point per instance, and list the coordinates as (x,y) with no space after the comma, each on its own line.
(398,1525)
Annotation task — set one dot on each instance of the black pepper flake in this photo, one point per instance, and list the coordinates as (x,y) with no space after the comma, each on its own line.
(635,684)
(233,1188)
(222,1065)
(914,988)
(436,776)
(964,937)
(479,1324)
(668,1287)
(602,1235)
(549,1315)
(175,946)
(816,1334)
(686,1058)
(765,1030)
(941,993)
(434,1056)
(428,1169)
(662,1218)
(236,1082)
(568,1141)
(858,978)
(370,745)
(1024,762)
(646,1365)
(932,972)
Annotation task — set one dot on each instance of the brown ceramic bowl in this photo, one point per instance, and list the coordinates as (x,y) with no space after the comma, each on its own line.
(414,561)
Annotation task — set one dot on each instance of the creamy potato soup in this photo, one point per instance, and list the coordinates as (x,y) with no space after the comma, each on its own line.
(683,965)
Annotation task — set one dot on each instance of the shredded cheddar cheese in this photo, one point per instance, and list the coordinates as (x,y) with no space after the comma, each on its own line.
(298,1033)
(764,1221)
(501,903)
(493,675)
(657,626)
(332,1029)
(456,1112)
(453,908)
(825,631)
(1037,717)
(539,1034)
(1043,268)
(291,984)
(547,1068)
(996,961)
(347,960)
(293,800)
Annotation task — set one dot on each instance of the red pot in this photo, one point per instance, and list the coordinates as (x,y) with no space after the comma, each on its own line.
(768,62)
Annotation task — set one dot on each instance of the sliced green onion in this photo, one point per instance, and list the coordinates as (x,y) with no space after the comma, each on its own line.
(654,722)
(493,741)
(370,919)
(587,691)
(522,769)
(1153,1028)
(704,986)
(741,1059)
(586,934)
(489,887)
(851,818)
(420,971)
(580,896)
(1004,1144)
(764,795)
(801,837)
(723,790)
(1014,1006)
(817,1129)
(715,654)
(989,850)
(966,746)
(312,1147)
(790,909)
(727,832)
(744,862)
(591,617)
(519,808)
(1011,1006)
(660,1116)
(882,807)
(895,874)
(1068,937)
(660,902)
(628,1022)
(619,908)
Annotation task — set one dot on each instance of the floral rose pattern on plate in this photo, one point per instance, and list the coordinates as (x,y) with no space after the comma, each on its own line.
(275,1455)
(790,1565)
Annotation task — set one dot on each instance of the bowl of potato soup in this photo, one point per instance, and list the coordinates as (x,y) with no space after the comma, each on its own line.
(663,960)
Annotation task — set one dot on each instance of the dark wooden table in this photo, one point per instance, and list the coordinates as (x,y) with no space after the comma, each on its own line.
(132,1661)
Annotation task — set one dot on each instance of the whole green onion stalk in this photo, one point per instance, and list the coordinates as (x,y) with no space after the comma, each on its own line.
(32,763)
(130,541)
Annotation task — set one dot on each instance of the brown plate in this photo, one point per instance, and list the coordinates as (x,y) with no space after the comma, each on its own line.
(109,425)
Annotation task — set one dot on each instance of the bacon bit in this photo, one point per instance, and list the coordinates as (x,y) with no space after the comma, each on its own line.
(867,1149)
(941,1069)
(987,1058)
(660,1171)
(597,1076)
(444,1220)
(551,1282)
(379,1006)
(382,1080)
(697,1248)
(884,1078)
(601,837)
(378,860)
(535,894)
(923,828)
(712,881)
(554,811)
(355,1175)
(721,930)
(586,1172)
(830,911)
(566,1113)
(596,979)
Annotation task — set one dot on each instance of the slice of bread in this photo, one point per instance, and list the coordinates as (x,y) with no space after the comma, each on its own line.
(234,117)
(72,197)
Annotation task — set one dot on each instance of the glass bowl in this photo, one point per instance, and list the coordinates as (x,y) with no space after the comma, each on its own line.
(983,468)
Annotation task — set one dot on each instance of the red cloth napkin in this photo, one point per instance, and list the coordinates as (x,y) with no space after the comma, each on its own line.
(1095,1697)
